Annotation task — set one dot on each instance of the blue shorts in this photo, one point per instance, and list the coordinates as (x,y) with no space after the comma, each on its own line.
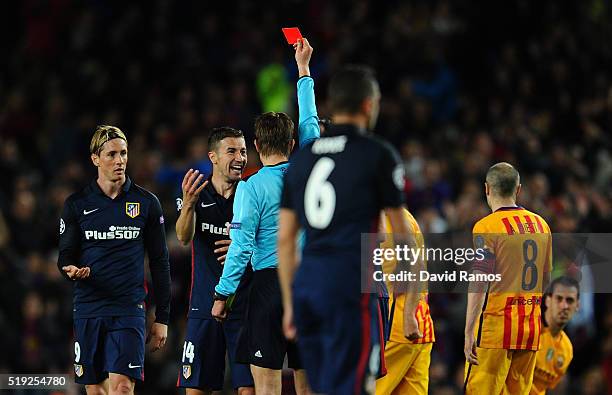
(203,357)
(108,345)
(339,343)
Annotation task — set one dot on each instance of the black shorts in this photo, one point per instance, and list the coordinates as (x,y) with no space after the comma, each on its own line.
(262,342)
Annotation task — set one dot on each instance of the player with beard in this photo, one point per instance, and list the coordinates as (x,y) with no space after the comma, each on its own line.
(205,212)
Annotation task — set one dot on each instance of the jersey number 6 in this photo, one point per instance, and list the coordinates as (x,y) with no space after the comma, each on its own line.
(320,196)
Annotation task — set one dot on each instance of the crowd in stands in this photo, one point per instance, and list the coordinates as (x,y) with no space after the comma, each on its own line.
(463,86)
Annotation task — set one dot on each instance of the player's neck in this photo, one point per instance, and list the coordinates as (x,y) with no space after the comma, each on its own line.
(496,204)
(271,160)
(111,188)
(358,120)
(554,329)
(222,185)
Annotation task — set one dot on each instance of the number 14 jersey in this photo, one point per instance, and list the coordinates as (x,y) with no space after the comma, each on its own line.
(518,247)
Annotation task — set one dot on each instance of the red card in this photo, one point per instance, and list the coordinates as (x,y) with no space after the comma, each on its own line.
(292,34)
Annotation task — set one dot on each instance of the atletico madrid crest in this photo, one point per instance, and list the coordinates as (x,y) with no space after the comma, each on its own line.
(132,209)
(78,370)
(186,371)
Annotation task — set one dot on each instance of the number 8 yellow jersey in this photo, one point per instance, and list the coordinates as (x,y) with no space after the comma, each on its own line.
(518,246)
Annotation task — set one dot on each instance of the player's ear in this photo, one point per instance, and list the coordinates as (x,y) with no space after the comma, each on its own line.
(212,155)
(367,106)
(291,145)
(518,190)
(256,146)
(95,159)
(487,189)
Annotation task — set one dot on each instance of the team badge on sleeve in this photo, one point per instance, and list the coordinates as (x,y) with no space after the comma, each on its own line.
(186,371)
(179,204)
(132,209)
(78,370)
(62,226)
(399,177)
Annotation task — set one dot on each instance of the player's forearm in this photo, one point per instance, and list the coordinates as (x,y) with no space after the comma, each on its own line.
(474,309)
(286,268)
(411,303)
(185,225)
(160,274)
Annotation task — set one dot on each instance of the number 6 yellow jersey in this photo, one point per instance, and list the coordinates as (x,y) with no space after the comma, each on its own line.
(518,246)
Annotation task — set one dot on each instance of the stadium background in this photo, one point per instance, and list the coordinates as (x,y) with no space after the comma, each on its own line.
(463,86)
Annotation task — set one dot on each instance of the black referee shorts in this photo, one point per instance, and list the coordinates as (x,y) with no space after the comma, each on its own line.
(262,342)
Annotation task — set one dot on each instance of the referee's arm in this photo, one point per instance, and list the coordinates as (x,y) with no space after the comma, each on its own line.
(242,232)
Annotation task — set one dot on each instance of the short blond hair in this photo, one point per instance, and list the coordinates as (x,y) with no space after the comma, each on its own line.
(103,134)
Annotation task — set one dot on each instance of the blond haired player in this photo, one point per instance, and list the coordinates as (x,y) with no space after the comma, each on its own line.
(503,324)
(407,361)
(562,300)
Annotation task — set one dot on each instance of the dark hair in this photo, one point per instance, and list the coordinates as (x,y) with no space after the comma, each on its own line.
(273,132)
(219,134)
(349,87)
(566,282)
(503,179)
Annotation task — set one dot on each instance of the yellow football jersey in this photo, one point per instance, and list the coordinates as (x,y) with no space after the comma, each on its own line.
(552,361)
(396,311)
(518,247)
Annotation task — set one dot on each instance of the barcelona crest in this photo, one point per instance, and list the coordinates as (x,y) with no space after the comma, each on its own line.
(132,209)
(78,370)
(186,371)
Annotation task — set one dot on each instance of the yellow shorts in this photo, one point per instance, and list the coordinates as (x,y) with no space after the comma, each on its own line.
(407,369)
(500,371)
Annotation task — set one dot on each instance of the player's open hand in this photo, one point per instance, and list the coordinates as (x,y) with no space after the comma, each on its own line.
(411,328)
(191,187)
(219,312)
(288,325)
(469,350)
(303,52)
(157,336)
(75,273)
(222,248)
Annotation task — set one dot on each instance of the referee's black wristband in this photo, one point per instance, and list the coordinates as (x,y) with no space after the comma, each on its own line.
(218,296)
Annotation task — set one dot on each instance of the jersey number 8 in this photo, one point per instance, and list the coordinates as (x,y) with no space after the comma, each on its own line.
(320,195)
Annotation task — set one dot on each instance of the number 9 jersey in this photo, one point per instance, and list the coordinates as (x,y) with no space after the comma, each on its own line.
(518,248)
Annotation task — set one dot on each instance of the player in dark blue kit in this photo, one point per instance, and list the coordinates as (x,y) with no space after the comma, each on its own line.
(335,190)
(105,230)
(206,209)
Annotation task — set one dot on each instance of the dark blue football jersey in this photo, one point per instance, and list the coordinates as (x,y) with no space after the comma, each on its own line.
(111,236)
(213,216)
(338,186)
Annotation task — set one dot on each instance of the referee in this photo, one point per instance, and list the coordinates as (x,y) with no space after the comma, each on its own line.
(105,230)
(254,232)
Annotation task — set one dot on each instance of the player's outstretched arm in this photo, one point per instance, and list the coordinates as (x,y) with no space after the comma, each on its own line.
(185,224)
(308,125)
(288,228)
